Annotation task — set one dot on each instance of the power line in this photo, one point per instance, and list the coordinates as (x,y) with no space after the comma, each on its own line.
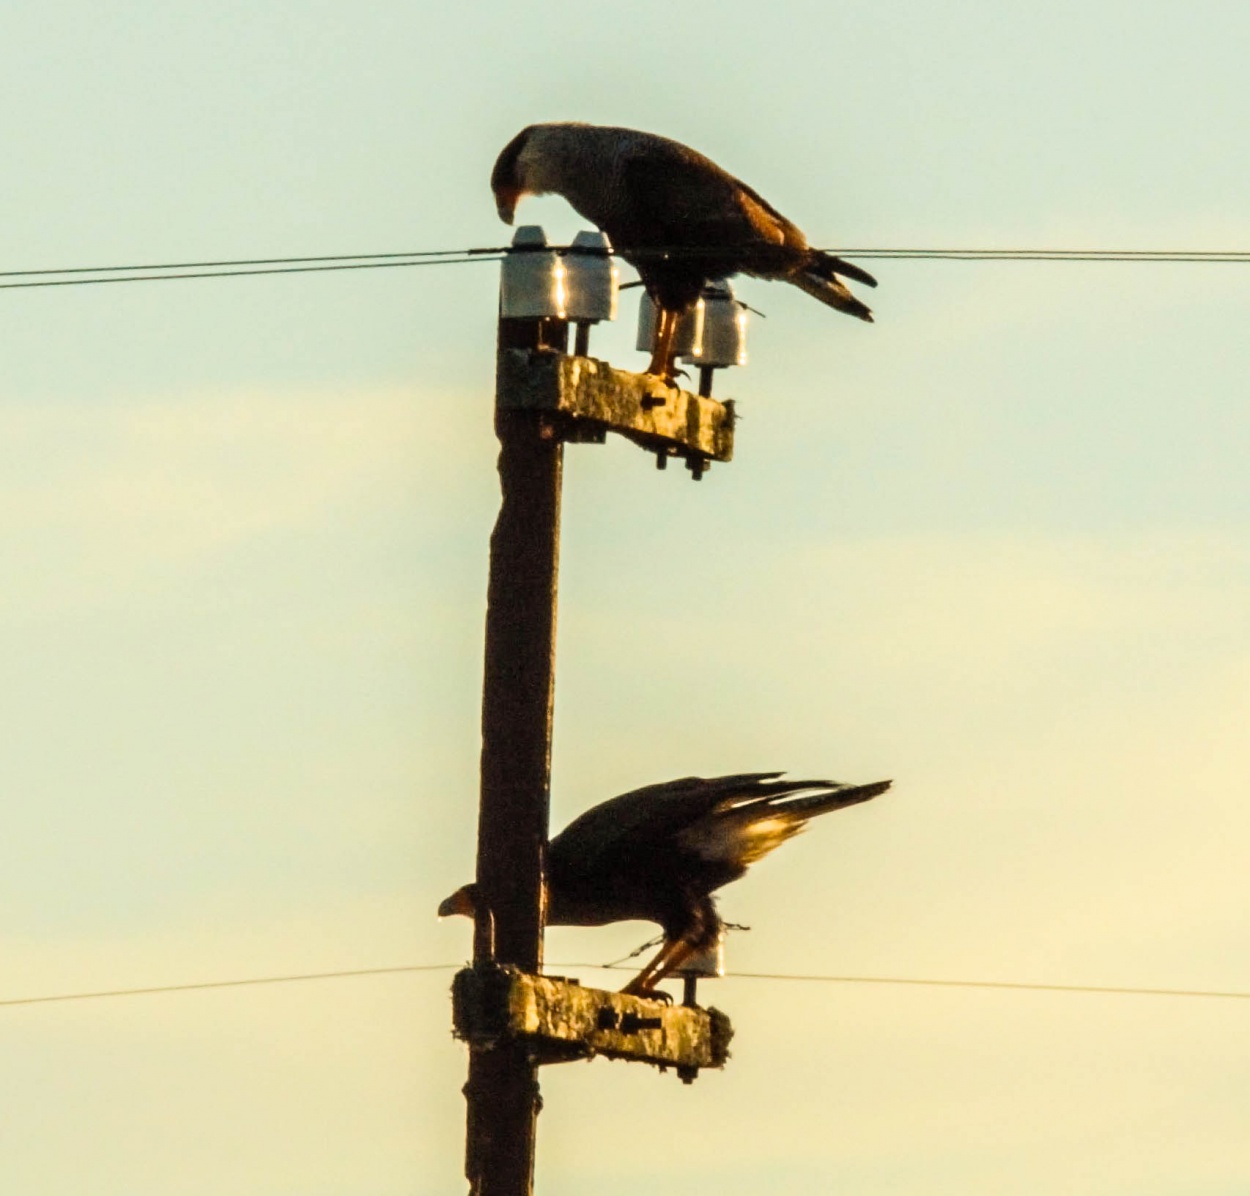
(992,984)
(244,267)
(1114,990)
(974,255)
(1232,256)
(120,277)
(181,988)
(256,261)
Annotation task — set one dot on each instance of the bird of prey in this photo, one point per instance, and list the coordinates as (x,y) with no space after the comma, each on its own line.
(658,853)
(673,214)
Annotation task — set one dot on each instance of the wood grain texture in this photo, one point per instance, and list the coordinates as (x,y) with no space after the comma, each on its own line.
(498,1006)
(591,396)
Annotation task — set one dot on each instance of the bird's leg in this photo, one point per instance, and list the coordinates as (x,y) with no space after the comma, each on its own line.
(672,955)
(662,352)
(702,930)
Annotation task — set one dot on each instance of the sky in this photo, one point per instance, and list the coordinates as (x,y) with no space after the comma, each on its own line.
(994,546)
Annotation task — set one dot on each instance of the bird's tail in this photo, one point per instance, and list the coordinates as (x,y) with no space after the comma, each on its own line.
(818,276)
(826,796)
(825,265)
(758,825)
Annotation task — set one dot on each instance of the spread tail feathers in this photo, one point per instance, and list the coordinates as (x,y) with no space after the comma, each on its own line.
(809,805)
(830,291)
(739,833)
(818,276)
(825,265)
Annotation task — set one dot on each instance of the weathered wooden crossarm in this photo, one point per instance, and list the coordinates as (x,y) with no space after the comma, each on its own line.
(594,399)
(492,1003)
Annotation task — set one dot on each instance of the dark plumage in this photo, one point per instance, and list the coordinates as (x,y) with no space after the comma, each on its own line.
(658,853)
(650,194)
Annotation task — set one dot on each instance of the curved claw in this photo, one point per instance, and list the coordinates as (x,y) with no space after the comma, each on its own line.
(668,377)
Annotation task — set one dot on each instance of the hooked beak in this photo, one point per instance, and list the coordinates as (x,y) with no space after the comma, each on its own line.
(460,902)
(506,199)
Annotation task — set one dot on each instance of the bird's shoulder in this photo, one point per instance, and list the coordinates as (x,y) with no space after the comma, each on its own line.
(679,190)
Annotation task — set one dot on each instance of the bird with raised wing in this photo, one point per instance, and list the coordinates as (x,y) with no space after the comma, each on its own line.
(672,213)
(658,853)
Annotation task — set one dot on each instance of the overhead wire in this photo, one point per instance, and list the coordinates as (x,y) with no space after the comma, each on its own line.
(181,988)
(1118,990)
(913,981)
(247,267)
(1178,256)
(255,261)
(119,276)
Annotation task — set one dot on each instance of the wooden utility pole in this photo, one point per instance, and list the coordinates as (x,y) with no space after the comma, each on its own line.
(513,1018)
(517,696)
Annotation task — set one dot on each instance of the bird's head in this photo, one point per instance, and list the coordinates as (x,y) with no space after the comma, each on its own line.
(463,901)
(539,160)
(507,180)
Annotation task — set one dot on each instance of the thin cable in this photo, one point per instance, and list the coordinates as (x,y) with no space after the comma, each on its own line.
(180,988)
(1051,255)
(1004,984)
(1115,990)
(60,276)
(258,261)
(72,282)
(929,983)
(972,255)
(616,963)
